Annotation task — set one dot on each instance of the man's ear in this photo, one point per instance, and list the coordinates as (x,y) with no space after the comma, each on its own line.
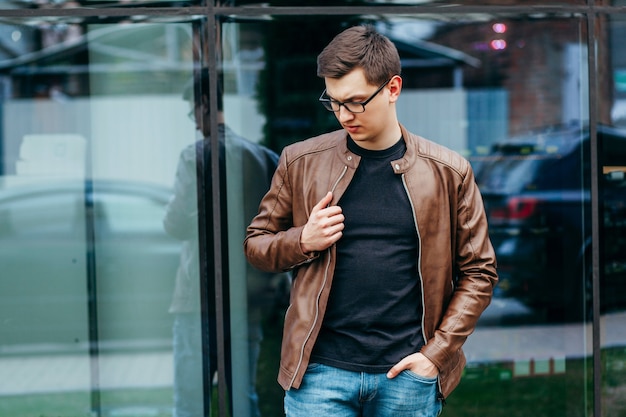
(395,86)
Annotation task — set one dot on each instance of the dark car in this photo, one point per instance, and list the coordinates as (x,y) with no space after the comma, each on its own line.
(537,194)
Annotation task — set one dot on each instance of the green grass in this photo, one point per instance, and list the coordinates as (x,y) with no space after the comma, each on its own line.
(149,402)
(492,395)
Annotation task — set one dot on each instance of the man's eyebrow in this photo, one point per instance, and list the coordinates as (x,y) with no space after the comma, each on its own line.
(352,98)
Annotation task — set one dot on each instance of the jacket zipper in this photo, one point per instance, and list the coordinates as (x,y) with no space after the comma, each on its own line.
(319,294)
(419,251)
(419,271)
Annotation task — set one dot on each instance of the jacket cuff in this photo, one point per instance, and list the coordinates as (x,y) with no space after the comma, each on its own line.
(305,257)
(436,355)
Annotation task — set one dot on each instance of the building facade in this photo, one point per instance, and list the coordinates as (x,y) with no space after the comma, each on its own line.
(123,287)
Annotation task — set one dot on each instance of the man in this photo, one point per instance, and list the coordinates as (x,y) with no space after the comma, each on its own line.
(246,170)
(387,237)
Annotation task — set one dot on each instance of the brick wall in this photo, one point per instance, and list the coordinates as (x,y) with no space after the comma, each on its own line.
(530,67)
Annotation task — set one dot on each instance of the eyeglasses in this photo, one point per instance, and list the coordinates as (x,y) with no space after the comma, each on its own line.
(352,106)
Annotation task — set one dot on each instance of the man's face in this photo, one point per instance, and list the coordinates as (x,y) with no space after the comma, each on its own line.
(372,128)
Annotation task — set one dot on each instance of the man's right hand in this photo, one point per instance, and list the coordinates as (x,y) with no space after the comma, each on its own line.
(324,227)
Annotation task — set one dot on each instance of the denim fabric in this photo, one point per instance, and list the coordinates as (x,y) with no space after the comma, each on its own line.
(187,345)
(332,392)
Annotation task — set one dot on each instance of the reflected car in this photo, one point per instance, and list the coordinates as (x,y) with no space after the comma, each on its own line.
(83,261)
(537,195)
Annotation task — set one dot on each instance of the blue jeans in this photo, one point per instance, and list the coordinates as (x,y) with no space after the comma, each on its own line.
(332,392)
(187,345)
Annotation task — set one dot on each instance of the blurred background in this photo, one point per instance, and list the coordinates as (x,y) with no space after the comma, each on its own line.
(94,126)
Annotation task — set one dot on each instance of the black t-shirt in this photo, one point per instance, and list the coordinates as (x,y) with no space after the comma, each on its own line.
(373,317)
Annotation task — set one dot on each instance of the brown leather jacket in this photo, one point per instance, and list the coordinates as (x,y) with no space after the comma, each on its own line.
(456,261)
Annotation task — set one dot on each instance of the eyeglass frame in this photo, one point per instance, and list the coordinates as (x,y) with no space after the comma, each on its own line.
(327,102)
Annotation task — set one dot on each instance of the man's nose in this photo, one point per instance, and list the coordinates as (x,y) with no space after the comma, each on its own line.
(344,114)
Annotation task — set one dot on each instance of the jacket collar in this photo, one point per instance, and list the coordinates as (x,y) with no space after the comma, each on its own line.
(345,155)
(400,166)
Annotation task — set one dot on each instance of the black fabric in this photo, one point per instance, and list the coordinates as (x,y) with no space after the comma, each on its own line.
(373,318)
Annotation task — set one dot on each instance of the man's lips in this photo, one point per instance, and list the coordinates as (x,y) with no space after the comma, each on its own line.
(351,129)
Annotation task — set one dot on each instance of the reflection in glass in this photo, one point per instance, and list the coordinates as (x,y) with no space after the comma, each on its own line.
(254,296)
(441,3)
(94,123)
(89,143)
(72,4)
(612,186)
(510,94)
(39,5)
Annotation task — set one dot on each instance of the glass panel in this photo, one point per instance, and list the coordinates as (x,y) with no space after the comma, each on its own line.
(444,4)
(249,168)
(59,24)
(510,94)
(68,4)
(92,126)
(612,101)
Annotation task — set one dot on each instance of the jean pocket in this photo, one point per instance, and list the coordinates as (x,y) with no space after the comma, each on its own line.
(417,377)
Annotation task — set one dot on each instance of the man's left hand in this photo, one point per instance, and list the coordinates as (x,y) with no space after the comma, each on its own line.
(416,363)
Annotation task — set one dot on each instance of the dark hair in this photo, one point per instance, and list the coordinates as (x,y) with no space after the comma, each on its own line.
(360,46)
(200,83)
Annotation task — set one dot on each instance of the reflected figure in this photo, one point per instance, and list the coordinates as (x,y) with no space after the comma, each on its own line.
(246,169)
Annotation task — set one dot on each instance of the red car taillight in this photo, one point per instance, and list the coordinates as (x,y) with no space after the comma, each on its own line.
(517,208)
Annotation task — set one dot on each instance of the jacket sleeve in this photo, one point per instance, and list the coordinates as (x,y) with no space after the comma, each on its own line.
(476,276)
(180,220)
(272,241)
